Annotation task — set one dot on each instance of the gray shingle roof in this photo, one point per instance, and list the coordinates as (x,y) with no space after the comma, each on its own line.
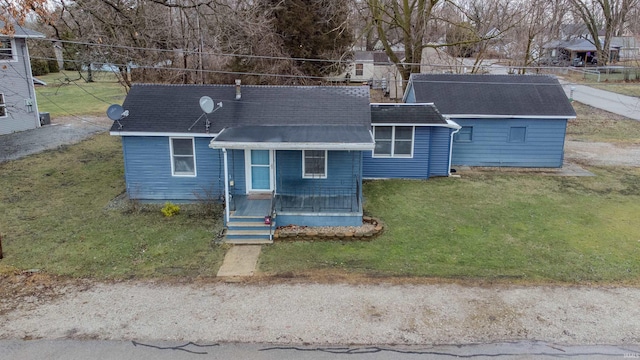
(22,32)
(505,95)
(174,108)
(334,134)
(405,114)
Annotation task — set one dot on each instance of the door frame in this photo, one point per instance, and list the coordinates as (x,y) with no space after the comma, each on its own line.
(247,169)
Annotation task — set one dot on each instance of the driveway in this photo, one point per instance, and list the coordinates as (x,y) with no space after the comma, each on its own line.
(62,131)
(627,106)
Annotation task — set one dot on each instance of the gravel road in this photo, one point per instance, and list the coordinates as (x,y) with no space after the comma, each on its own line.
(333,314)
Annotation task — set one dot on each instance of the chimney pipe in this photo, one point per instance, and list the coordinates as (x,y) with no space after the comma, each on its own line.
(238,93)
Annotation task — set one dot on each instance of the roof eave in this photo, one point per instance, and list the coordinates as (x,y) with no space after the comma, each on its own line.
(488,116)
(290,145)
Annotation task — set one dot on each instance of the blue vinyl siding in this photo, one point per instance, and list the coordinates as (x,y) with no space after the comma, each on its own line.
(430,157)
(236,171)
(147,163)
(342,169)
(543,144)
(411,95)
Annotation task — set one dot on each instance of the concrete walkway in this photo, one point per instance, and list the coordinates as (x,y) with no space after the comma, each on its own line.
(240,260)
(627,106)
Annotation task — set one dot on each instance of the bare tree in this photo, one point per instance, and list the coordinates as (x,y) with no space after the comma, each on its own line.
(410,19)
(607,15)
(17,11)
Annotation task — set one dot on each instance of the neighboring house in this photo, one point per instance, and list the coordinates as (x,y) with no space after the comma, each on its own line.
(506,120)
(629,47)
(576,52)
(413,141)
(436,60)
(18,107)
(295,149)
(376,69)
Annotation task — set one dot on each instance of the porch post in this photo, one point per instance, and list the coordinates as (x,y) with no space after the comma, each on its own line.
(226,186)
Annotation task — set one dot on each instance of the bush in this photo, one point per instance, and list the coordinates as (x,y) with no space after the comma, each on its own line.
(39,67)
(53,66)
(170,209)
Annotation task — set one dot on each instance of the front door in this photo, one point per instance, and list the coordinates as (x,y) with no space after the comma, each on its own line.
(259,170)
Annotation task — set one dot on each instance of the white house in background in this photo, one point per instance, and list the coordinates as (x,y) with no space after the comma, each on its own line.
(18,107)
(376,69)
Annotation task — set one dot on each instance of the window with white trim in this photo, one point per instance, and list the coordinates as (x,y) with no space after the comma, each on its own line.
(393,141)
(3,106)
(314,164)
(183,158)
(465,134)
(359,69)
(7,52)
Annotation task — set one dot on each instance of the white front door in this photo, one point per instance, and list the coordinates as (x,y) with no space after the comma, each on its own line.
(259,170)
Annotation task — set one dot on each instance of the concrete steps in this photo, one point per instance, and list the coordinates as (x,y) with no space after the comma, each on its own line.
(247,230)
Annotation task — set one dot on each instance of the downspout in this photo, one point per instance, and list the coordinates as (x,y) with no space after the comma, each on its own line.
(451,148)
(226,187)
(30,87)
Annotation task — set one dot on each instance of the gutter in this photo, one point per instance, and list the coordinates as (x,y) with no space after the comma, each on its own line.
(456,129)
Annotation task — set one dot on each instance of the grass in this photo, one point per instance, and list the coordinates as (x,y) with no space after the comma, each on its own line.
(77,97)
(531,228)
(598,125)
(55,218)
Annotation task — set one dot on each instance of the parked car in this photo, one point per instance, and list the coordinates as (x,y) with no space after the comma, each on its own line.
(577,62)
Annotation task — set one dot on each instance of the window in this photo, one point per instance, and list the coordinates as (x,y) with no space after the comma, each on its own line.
(183,159)
(465,134)
(517,134)
(393,141)
(6,50)
(3,106)
(314,164)
(359,69)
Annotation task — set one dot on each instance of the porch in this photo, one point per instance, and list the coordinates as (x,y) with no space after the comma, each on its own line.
(307,201)
(308,207)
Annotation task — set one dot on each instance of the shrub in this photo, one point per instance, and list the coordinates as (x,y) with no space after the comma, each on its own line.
(39,67)
(170,209)
(53,66)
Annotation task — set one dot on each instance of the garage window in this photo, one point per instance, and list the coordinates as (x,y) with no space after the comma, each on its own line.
(464,135)
(517,134)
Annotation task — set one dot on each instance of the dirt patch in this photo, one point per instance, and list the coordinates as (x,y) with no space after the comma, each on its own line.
(603,154)
(27,290)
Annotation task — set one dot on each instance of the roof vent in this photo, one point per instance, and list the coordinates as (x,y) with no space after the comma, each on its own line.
(238,93)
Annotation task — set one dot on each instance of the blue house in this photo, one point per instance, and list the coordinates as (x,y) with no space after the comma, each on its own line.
(285,154)
(413,141)
(506,120)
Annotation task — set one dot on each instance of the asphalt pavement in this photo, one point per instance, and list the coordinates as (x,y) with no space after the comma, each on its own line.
(141,350)
(627,106)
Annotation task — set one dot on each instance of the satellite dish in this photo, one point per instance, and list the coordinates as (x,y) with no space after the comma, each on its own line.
(207,104)
(115,112)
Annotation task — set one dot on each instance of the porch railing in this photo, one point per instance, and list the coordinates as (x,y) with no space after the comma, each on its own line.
(272,212)
(318,198)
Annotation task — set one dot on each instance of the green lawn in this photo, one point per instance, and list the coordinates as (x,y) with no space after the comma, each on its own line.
(529,227)
(66,94)
(55,218)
